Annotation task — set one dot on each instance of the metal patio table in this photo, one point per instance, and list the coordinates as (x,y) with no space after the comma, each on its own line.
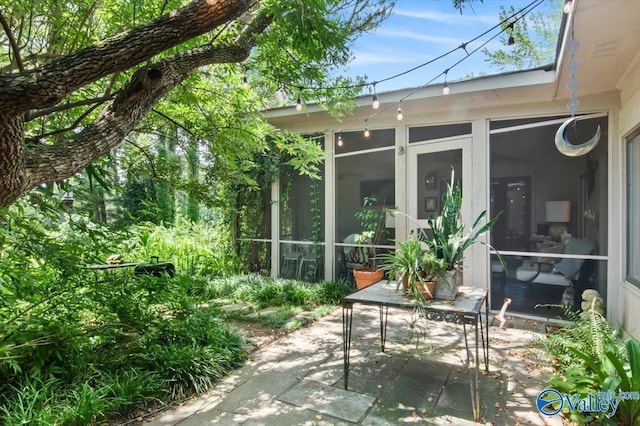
(466,309)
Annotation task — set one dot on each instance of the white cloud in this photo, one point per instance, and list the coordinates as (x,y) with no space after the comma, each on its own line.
(409,35)
(386,57)
(447,18)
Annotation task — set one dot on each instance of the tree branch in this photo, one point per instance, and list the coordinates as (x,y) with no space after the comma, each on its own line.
(45,163)
(12,41)
(70,105)
(47,85)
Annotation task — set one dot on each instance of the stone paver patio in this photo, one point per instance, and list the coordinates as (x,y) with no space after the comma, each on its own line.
(297,380)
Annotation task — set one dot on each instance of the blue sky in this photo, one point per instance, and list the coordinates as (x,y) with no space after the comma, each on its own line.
(420,30)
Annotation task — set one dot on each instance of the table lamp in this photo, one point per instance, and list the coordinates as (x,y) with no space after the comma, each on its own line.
(557,215)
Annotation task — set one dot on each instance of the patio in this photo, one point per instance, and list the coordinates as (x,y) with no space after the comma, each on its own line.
(298,379)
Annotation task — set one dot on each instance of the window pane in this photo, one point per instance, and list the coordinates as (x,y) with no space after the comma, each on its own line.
(434,173)
(427,133)
(302,208)
(255,215)
(633,210)
(550,205)
(360,176)
(356,141)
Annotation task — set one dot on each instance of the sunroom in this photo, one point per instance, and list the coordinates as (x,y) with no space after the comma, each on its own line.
(498,133)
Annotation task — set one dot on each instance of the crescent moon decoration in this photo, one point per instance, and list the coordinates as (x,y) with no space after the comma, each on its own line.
(570,150)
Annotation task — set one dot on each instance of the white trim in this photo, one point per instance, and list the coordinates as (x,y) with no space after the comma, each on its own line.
(329,207)
(275,228)
(259,240)
(542,123)
(364,151)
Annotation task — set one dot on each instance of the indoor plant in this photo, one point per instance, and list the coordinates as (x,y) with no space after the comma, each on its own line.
(372,221)
(450,240)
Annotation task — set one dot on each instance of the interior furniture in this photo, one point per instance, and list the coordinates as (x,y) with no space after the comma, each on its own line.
(562,273)
(354,257)
(558,216)
(309,262)
(290,260)
(466,309)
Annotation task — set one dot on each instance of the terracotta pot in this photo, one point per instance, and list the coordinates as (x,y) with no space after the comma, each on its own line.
(405,284)
(366,277)
(427,289)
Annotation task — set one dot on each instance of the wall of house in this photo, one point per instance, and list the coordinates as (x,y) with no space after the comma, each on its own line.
(629,120)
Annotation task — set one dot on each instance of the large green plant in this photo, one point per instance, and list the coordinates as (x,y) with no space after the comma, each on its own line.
(450,240)
(372,220)
(405,261)
(589,358)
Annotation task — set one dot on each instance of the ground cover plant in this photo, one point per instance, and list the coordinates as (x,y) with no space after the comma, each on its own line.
(78,347)
(590,357)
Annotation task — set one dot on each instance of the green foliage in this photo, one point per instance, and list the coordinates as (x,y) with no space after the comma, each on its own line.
(450,240)
(76,347)
(535,38)
(589,359)
(372,221)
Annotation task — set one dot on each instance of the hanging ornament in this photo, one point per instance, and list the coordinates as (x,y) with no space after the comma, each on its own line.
(564,146)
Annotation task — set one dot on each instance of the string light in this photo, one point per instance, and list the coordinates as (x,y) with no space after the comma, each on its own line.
(299,100)
(568,6)
(367,133)
(445,88)
(376,103)
(245,82)
(511,42)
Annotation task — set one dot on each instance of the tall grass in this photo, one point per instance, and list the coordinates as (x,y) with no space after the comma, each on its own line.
(74,350)
(195,249)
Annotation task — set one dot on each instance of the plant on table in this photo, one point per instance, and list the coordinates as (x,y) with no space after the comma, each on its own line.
(372,221)
(450,240)
(413,267)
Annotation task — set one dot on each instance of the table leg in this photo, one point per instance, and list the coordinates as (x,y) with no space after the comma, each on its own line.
(347,321)
(485,349)
(472,375)
(384,315)
(476,407)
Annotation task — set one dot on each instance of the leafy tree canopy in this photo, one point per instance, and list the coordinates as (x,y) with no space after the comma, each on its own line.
(77,78)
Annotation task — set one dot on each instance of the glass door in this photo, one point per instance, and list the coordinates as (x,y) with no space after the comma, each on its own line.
(429,168)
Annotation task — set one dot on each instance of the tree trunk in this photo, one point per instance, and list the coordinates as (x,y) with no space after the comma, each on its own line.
(11,158)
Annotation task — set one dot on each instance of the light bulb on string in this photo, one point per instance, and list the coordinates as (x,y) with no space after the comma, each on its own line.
(375,104)
(299,101)
(245,82)
(367,133)
(400,114)
(568,6)
(511,41)
(445,88)
(340,143)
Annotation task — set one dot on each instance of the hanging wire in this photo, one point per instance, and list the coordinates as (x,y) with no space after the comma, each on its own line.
(526,10)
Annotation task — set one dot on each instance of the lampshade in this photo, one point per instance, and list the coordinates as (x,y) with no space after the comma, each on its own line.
(558,211)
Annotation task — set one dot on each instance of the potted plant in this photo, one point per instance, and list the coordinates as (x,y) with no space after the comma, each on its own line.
(450,240)
(432,269)
(372,221)
(414,268)
(404,263)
